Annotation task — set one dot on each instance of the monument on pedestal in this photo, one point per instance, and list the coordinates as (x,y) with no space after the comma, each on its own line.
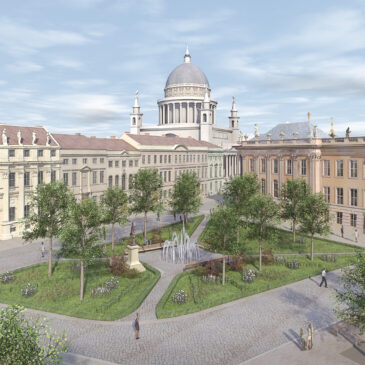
(133,248)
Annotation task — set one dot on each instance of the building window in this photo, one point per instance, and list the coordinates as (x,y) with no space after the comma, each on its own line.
(11,153)
(110,163)
(263,186)
(11,179)
(26,178)
(53,176)
(339,217)
(130,163)
(116,179)
(263,165)
(53,153)
(124,163)
(276,189)
(165,159)
(130,182)
(149,159)
(303,167)
(339,192)
(116,163)
(326,168)
(74,178)
(40,177)
(26,153)
(110,181)
(143,160)
(84,161)
(65,161)
(123,181)
(353,168)
(65,178)
(101,177)
(169,158)
(74,161)
(353,219)
(289,165)
(26,211)
(252,165)
(135,163)
(94,177)
(169,174)
(101,160)
(95,160)
(40,153)
(339,168)
(353,193)
(160,158)
(11,213)
(326,192)
(164,176)
(275,166)
(155,159)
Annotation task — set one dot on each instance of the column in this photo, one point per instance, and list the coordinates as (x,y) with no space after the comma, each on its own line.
(21,197)
(180,112)
(268,175)
(281,171)
(173,112)
(195,119)
(295,166)
(168,113)
(187,113)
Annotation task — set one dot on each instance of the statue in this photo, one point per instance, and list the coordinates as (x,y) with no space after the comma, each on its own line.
(19,135)
(133,234)
(48,141)
(4,137)
(34,138)
(332,131)
(256,130)
(348,132)
(315,131)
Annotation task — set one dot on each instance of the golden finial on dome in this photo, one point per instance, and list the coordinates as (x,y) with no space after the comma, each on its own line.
(332,131)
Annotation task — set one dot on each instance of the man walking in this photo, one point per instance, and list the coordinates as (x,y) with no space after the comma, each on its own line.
(324,273)
(342,231)
(42,249)
(136,326)
(356,235)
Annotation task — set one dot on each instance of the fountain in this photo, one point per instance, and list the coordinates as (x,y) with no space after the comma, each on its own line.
(180,250)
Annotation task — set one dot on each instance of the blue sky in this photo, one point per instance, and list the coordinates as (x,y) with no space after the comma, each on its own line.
(74,65)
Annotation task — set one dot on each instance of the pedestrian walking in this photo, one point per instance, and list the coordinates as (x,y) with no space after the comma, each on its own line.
(309,343)
(136,326)
(324,280)
(180,218)
(302,339)
(174,216)
(42,249)
(356,235)
(158,216)
(342,231)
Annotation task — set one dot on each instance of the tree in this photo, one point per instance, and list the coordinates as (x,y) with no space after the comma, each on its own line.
(115,208)
(48,212)
(145,194)
(24,341)
(186,198)
(81,234)
(351,299)
(264,211)
(238,191)
(293,194)
(314,217)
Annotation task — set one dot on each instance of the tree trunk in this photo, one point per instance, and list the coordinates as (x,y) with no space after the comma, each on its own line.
(145,226)
(183,223)
(312,247)
(81,280)
(104,237)
(224,241)
(113,236)
(50,257)
(260,250)
(294,222)
(224,271)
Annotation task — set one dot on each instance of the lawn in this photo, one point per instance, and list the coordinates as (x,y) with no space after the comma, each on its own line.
(280,241)
(60,292)
(202,295)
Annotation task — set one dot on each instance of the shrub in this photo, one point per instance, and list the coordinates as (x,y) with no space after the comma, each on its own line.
(208,279)
(249,275)
(131,274)
(267,257)
(76,267)
(118,265)
(180,297)
(112,283)
(237,263)
(211,268)
(281,260)
(7,277)
(100,291)
(293,264)
(329,258)
(28,290)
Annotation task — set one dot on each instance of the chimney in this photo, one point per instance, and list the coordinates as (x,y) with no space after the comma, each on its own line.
(112,137)
(77,134)
(92,136)
(164,135)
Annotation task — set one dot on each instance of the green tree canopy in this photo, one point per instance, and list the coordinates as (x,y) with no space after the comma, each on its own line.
(115,208)
(48,212)
(293,194)
(314,217)
(81,233)
(28,341)
(186,198)
(351,297)
(145,193)
(264,211)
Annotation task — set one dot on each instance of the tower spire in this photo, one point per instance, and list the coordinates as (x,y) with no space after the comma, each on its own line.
(136,103)
(187,57)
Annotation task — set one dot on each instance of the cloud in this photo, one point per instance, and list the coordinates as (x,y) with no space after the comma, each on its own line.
(24,67)
(19,39)
(85,83)
(67,63)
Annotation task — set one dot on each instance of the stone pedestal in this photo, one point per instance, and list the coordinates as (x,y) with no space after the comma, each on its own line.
(133,260)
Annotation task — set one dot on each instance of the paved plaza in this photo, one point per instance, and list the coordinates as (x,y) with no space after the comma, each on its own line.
(254,329)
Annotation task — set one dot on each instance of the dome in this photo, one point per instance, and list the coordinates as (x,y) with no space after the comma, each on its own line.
(187,73)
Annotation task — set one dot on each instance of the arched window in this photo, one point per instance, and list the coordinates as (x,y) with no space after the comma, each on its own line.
(232,123)
(204,118)
(134,120)
(130,181)
(123,181)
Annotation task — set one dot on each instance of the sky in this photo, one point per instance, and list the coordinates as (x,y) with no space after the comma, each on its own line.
(74,65)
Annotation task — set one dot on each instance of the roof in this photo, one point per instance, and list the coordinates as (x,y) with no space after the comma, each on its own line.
(187,73)
(81,142)
(169,141)
(304,130)
(26,134)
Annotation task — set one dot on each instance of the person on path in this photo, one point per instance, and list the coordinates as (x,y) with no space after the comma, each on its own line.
(309,343)
(324,280)
(174,216)
(356,235)
(136,326)
(342,231)
(302,340)
(158,216)
(42,249)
